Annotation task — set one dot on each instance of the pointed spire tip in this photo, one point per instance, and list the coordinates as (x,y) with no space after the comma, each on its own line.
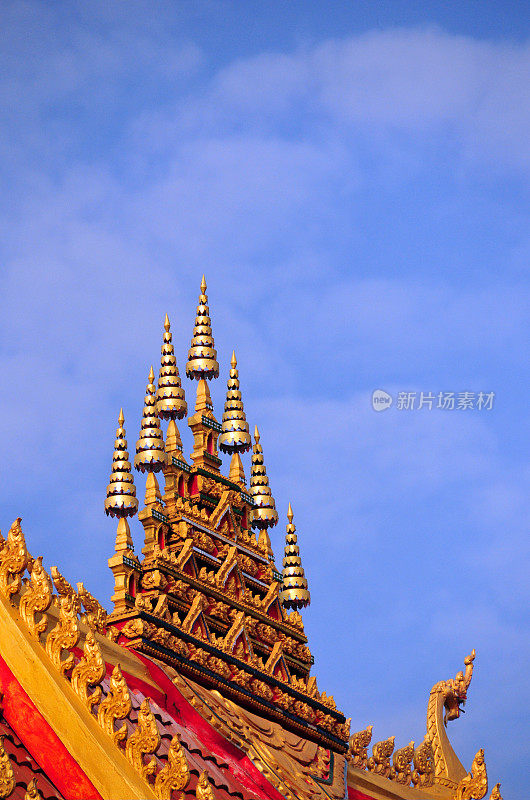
(121,418)
(151,374)
(233,360)
(290,514)
(166,323)
(203,284)
(256,434)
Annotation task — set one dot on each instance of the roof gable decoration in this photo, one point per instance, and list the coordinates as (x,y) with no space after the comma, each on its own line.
(84,675)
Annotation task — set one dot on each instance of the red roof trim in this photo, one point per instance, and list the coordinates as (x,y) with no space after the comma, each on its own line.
(41,740)
(354,794)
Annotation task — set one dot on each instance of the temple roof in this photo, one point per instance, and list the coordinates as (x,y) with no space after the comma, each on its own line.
(198,683)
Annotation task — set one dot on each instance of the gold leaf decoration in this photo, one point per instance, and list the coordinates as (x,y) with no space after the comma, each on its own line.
(32,791)
(96,616)
(143,741)
(7,777)
(65,635)
(175,775)
(90,671)
(36,599)
(474,785)
(13,560)
(116,705)
(358,748)
(423,774)
(204,789)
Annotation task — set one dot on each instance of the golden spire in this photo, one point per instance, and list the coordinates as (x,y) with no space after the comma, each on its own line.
(264,514)
(235,437)
(202,355)
(170,399)
(294,592)
(237,473)
(173,440)
(121,495)
(123,537)
(150,454)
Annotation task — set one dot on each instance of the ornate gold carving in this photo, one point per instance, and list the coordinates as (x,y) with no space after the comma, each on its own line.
(401,771)
(116,705)
(90,671)
(264,514)
(423,774)
(474,785)
(358,748)
(133,628)
(204,790)
(379,761)
(496,792)
(7,777)
(175,776)
(445,700)
(96,616)
(13,560)
(144,741)
(65,635)
(36,599)
(32,791)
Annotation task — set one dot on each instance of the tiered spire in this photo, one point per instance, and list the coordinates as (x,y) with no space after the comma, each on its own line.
(202,355)
(170,399)
(265,514)
(121,494)
(294,592)
(150,454)
(235,436)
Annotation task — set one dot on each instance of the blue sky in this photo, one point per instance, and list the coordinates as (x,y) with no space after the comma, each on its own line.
(354,184)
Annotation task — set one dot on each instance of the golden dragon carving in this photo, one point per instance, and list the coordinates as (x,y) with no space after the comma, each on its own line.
(444,704)
(144,741)
(89,671)
(175,776)
(14,558)
(65,635)
(116,705)
(37,598)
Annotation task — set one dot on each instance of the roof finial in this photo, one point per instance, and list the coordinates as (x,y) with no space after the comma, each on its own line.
(264,514)
(121,494)
(235,437)
(237,473)
(202,355)
(150,455)
(170,399)
(294,592)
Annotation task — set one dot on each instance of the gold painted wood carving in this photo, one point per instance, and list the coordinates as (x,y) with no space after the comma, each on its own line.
(32,791)
(204,789)
(445,700)
(401,770)
(496,792)
(13,560)
(7,777)
(423,774)
(36,599)
(144,741)
(65,635)
(379,761)
(116,705)
(96,616)
(90,671)
(474,785)
(175,776)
